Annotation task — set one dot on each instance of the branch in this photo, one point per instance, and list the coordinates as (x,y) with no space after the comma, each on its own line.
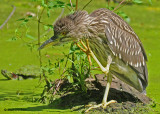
(14,8)
(71,4)
(87,4)
(119,5)
(76,5)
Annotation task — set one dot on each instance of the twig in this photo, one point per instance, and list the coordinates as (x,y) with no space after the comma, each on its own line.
(53,23)
(68,8)
(71,4)
(57,86)
(108,3)
(119,4)
(14,8)
(64,70)
(86,4)
(39,42)
(76,5)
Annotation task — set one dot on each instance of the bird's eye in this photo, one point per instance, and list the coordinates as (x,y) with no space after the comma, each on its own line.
(63,33)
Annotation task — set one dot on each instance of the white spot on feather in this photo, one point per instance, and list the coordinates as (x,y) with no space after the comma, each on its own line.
(120,56)
(113,52)
(130,46)
(135,52)
(133,45)
(137,64)
(120,49)
(130,53)
(139,50)
(104,21)
(127,51)
(140,64)
(120,39)
(109,30)
(112,37)
(143,63)
(117,46)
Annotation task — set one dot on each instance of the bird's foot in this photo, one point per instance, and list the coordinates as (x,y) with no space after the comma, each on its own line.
(103,105)
(85,49)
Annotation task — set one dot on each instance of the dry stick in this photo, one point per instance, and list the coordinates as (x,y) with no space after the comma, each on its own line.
(53,23)
(14,8)
(108,3)
(119,5)
(87,4)
(71,4)
(76,5)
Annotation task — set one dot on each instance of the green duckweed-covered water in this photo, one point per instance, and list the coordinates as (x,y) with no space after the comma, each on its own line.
(20,96)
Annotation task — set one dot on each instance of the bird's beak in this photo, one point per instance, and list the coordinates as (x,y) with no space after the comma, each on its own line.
(48,42)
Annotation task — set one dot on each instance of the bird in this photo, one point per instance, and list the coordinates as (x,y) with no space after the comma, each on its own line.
(110,41)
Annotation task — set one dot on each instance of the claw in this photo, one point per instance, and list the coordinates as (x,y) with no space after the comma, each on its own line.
(86,50)
(103,105)
(93,107)
(108,103)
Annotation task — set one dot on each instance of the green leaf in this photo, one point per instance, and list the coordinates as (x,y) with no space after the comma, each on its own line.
(26,20)
(62,6)
(60,2)
(45,27)
(48,12)
(16,30)
(12,39)
(30,37)
(150,1)
(43,3)
(124,16)
(21,19)
(30,16)
(69,78)
(62,60)
(137,1)
(50,26)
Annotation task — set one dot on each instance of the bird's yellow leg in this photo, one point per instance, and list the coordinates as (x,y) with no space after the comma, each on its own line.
(86,50)
(109,80)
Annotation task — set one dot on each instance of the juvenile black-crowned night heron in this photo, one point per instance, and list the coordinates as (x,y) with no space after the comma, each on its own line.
(110,41)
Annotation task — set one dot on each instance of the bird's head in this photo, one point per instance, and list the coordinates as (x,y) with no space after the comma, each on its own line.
(69,28)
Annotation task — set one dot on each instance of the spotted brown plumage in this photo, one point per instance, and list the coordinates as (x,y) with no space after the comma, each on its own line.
(123,42)
(113,44)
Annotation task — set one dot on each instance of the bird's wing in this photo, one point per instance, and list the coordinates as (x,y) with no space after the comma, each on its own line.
(125,44)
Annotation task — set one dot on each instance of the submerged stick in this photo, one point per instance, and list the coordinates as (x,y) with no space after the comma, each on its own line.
(14,8)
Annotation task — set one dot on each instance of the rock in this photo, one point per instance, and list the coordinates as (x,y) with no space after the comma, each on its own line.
(128,99)
(121,91)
